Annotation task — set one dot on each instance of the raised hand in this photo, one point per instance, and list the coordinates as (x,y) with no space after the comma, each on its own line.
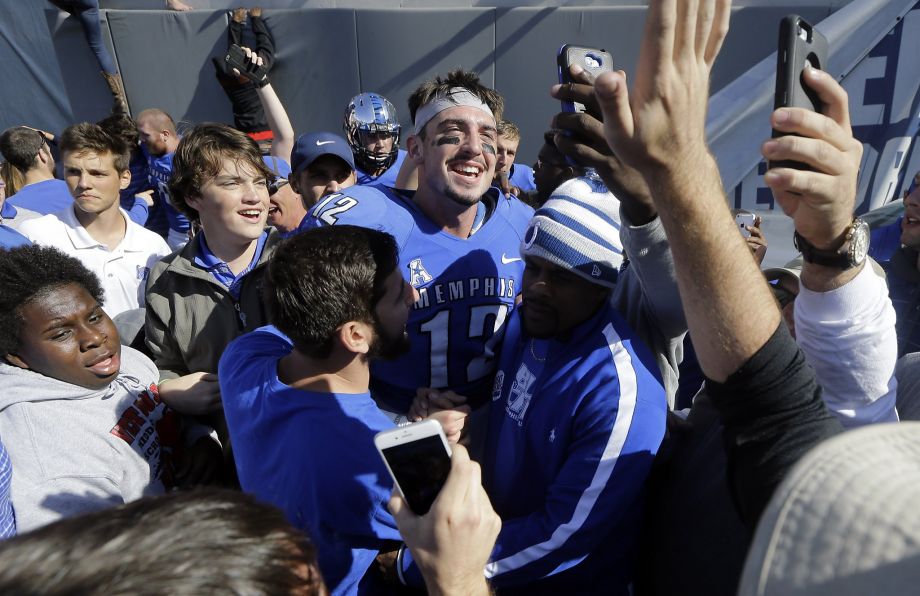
(664,114)
(820,202)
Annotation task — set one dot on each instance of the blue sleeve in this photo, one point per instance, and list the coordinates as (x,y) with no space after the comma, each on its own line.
(138,211)
(357,205)
(365,206)
(598,488)
(522,177)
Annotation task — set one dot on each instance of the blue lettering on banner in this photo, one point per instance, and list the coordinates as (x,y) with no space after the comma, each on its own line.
(884,96)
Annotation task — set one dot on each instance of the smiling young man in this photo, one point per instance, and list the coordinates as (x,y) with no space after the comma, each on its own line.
(95,229)
(202,297)
(79,413)
(458,242)
(904,273)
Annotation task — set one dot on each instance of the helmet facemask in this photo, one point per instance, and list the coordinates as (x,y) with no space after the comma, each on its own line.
(369,114)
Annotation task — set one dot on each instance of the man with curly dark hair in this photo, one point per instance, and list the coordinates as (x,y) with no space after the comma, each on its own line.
(80,414)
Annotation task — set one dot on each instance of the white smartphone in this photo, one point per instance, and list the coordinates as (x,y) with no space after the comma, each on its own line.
(745,220)
(418,458)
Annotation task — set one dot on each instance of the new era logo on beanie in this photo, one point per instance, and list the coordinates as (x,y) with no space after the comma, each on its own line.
(578,229)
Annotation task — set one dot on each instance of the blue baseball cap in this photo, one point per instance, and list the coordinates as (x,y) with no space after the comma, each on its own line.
(277,165)
(313,145)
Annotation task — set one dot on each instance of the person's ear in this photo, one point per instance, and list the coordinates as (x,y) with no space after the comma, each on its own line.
(414,148)
(17,361)
(194,203)
(125,179)
(355,337)
(41,156)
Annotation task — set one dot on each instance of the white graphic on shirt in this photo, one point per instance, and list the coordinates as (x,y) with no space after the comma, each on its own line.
(521,394)
(418,275)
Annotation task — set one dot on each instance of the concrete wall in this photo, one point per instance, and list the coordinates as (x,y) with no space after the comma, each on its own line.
(327,55)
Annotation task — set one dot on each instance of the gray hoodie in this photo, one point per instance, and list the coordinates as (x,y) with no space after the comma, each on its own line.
(75,450)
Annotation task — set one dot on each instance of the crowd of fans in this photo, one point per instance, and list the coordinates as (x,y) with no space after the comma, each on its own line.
(203,329)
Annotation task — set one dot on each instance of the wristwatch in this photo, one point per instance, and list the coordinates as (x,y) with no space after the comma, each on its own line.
(851,253)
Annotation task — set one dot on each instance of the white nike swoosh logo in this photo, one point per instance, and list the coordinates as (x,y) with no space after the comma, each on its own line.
(506,260)
(318,143)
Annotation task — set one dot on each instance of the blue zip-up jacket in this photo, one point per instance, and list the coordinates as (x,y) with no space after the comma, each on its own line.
(573,430)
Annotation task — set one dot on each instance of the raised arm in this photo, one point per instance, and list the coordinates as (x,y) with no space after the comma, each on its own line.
(845,323)
(659,129)
(278,120)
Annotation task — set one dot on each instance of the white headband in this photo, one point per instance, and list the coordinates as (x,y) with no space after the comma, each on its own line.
(457,96)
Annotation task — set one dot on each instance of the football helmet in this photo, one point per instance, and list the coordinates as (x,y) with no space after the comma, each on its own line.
(367,114)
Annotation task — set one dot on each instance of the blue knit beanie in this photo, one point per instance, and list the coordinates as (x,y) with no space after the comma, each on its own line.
(578,228)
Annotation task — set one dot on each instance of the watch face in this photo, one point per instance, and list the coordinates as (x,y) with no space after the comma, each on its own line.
(859,242)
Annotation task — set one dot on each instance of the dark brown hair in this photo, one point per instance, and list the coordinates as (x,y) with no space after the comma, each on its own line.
(200,156)
(87,136)
(439,86)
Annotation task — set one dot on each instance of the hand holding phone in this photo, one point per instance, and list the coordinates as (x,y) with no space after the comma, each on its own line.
(593,60)
(800,45)
(453,542)
(247,64)
(745,220)
(418,458)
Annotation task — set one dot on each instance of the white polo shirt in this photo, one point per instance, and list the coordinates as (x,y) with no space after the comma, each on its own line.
(122,271)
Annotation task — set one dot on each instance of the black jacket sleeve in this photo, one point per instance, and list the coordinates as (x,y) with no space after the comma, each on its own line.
(772,414)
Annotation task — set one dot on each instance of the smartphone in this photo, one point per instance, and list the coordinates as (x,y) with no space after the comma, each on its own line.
(799,44)
(745,220)
(593,60)
(236,58)
(418,458)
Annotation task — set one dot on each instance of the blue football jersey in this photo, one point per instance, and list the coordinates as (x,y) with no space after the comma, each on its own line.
(388,178)
(160,169)
(522,177)
(467,289)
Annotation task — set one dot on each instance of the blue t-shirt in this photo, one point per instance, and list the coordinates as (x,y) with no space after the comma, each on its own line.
(47,196)
(388,178)
(159,171)
(466,286)
(310,454)
(573,430)
(522,177)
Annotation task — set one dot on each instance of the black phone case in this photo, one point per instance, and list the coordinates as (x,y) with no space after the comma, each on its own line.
(570,54)
(236,58)
(792,55)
